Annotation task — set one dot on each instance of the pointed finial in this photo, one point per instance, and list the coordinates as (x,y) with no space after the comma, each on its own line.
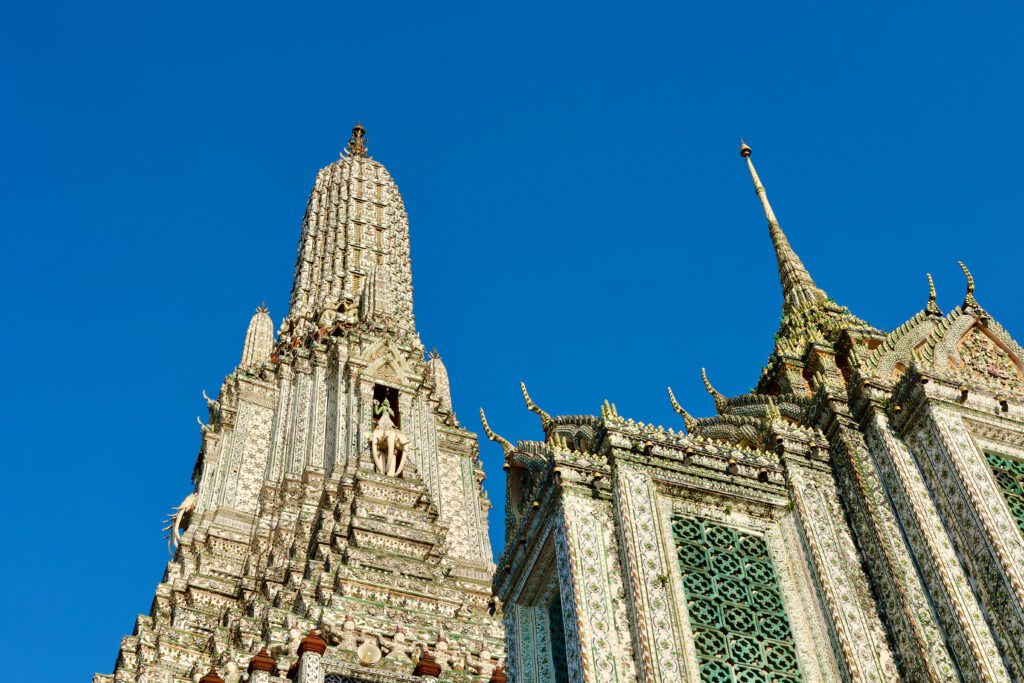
(969,300)
(545,419)
(357,143)
(688,420)
(720,401)
(263,308)
(932,308)
(505,444)
(798,288)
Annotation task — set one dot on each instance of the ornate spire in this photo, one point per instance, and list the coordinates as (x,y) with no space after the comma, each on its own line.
(505,444)
(259,339)
(688,420)
(969,300)
(439,373)
(932,308)
(720,401)
(357,143)
(798,288)
(545,419)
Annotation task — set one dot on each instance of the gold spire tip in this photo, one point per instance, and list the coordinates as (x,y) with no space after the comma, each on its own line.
(357,143)
(745,150)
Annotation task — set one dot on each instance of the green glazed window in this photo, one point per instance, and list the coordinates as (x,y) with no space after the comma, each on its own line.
(1010,476)
(733,597)
(559,660)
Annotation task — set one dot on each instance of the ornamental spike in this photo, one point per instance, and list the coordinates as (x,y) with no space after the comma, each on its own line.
(688,420)
(545,419)
(932,308)
(969,300)
(505,444)
(720,401)
(798,288)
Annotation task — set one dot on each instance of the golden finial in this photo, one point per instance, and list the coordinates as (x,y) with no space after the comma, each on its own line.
(932,308)
(505,444)
(545,419)
(357,143)
(745,150)
(720,401)
(969,300)
(688,420)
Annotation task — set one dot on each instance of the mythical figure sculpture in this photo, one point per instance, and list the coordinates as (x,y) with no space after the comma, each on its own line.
(387,441)
(179,520)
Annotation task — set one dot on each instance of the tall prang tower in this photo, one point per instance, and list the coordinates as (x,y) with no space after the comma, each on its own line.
(338,527)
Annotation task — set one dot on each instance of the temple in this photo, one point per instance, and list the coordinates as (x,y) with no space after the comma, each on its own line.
(337,530)
(858,516)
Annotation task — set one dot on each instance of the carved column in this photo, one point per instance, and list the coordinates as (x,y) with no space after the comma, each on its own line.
(261,667)
(956,605)
(859,639)
(919,641)
(311,652)
(658,636)
(979,522)
(590,584)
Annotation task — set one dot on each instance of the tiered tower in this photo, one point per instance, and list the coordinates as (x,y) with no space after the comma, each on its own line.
(335,490)
(858,516)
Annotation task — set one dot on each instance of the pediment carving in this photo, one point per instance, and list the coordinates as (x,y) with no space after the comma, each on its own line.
(982,358)
(385,361)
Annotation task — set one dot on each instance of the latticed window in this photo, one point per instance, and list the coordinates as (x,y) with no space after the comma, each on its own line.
(338,678)
(559,661)
(739,623)
(1010,475)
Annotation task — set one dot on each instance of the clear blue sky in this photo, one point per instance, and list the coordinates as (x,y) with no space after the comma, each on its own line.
(581,219)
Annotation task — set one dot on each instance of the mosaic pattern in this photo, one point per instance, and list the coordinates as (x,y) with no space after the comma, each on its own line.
(739,623)
(1010,475)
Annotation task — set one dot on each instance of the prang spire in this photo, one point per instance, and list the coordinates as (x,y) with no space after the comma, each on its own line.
(798,288)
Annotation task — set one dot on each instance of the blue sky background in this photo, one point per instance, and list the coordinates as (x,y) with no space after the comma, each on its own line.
(580,219)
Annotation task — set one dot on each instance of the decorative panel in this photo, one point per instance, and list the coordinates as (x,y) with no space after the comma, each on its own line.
(739,623)
(1010,476)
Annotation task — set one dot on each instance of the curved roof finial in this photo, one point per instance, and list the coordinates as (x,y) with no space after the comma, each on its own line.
(688,420)
(798,288)
(969,300)
(545,419)
(932,308)
(505,444)
(720,401)
(357,143)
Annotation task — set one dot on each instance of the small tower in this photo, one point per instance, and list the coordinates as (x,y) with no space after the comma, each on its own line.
(259,339)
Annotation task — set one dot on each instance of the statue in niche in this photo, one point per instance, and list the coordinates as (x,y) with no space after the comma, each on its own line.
(387,441)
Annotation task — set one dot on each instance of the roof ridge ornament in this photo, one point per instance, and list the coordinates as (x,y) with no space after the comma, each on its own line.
(688,420)
(505,444)
(357,143)
(969,300)
(545,419)
(932,308)
(798,287)
(721,402)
